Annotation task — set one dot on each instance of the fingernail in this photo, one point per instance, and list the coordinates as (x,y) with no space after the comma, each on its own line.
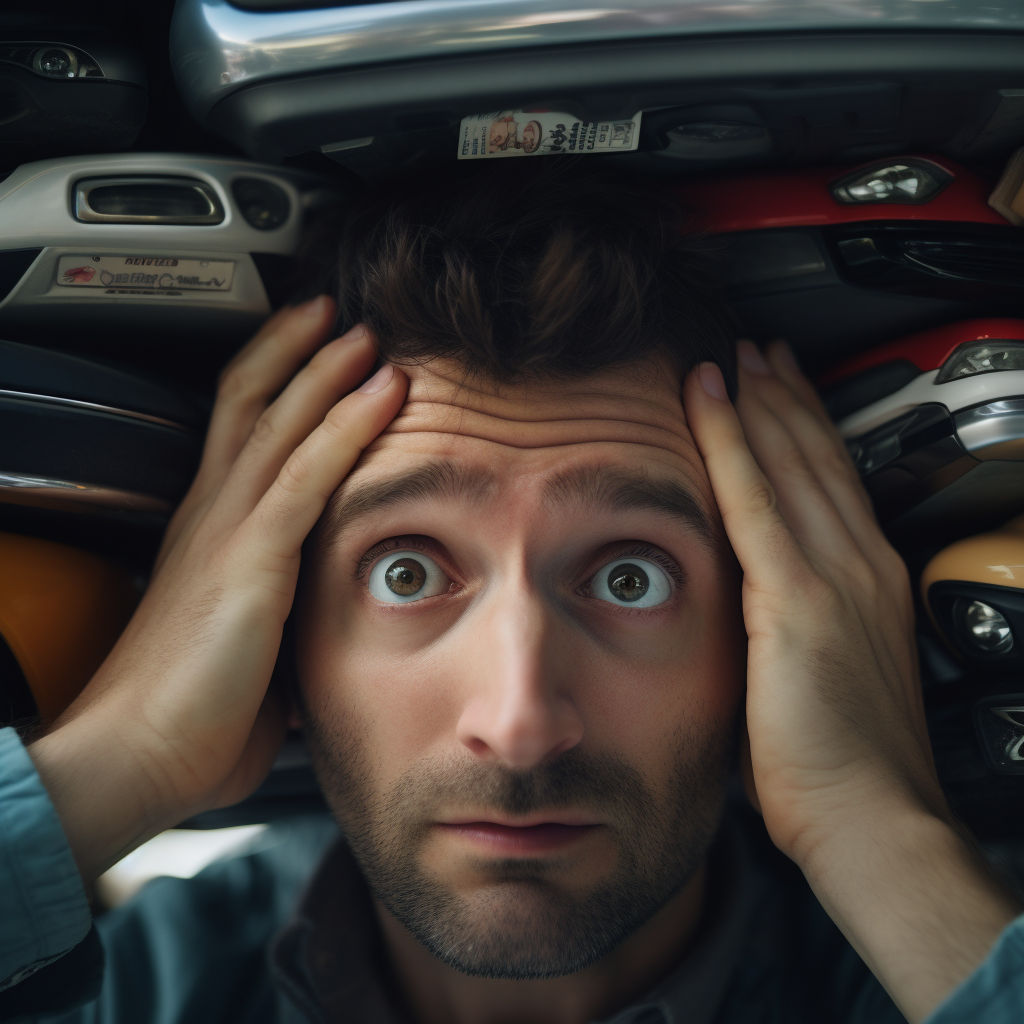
(379,381)
(751,360)
(314,308)
(711,380)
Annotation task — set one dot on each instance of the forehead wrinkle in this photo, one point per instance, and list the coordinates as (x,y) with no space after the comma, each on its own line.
(638,412)
(445,479)
(628,491)
(547,433)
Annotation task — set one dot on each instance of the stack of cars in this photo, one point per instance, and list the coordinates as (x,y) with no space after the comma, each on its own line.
(852,164)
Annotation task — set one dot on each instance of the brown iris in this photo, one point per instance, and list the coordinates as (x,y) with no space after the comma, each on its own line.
(405,577)
(628,582)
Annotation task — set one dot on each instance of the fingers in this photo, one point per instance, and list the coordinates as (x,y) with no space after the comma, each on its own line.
(782,361)
(260,370)
(786,436)
(784,365)
(768,553)
(805,505)
(810,440)
(333,372)
(247,385)
(288,511)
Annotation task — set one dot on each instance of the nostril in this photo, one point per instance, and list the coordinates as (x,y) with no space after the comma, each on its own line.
(478,747)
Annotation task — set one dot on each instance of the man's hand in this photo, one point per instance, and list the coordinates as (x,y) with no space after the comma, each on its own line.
(178,719)
(839,749)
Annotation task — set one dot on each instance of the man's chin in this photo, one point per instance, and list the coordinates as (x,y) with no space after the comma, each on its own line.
(521,929)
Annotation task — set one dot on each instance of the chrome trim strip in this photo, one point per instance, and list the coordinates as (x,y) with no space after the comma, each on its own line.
(993,431)
(67,495)
(27,396)
(216,48)
(85,212)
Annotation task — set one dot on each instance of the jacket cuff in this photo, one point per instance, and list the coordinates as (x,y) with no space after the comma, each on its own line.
(46,912)
(995,991)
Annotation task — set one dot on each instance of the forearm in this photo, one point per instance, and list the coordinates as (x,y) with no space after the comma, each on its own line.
(914,898)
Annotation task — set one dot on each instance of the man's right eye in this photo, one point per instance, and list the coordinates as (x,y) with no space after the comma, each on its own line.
(403,576)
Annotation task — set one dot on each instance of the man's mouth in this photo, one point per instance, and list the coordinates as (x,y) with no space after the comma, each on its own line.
(510,840)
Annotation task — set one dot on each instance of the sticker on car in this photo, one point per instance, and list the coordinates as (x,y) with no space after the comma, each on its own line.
(543,133)
(145,274)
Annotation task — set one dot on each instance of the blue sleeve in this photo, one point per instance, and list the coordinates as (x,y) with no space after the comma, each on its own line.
(994,993)
(44,912)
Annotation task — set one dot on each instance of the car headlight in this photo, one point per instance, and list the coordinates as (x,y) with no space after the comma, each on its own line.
(982,357)
(986,628)
(51,61)
(904,181)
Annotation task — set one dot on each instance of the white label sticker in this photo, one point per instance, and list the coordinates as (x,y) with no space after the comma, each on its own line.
(543,133)
(145,274)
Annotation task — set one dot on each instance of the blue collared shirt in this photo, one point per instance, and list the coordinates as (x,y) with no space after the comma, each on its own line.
(285,934)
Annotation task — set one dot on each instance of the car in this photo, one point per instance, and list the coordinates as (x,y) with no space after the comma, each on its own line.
(852,167)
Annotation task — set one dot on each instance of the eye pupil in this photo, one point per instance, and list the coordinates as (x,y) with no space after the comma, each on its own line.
(405,577)
(628,582)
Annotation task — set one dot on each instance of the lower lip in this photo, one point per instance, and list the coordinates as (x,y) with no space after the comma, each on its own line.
(510,841)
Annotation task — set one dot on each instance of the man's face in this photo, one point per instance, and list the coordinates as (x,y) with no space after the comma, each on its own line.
(521,657)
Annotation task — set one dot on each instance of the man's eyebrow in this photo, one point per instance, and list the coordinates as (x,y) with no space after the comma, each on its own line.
(439,478)
(627,491)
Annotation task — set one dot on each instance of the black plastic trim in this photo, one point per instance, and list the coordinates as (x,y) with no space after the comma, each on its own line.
(41,371)
(868,386)
(17,705)
(96,448)
(910,458)
(14,263)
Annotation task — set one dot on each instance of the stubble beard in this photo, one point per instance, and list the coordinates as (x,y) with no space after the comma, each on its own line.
(527,923)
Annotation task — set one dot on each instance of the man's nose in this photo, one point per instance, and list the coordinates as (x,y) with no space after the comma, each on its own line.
(519,709)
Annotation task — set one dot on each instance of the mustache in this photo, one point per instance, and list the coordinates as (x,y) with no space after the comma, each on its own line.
(575,778)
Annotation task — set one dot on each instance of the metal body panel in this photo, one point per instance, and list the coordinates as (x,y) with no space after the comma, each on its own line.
(217,48)
(994,430)
(954,395)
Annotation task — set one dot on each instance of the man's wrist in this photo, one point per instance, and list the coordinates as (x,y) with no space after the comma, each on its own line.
(106,801)
(914,896)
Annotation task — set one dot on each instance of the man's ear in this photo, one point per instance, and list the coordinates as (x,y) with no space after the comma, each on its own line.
(746,767)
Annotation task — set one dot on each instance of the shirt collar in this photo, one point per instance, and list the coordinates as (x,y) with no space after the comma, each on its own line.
(694,991)
(331,959)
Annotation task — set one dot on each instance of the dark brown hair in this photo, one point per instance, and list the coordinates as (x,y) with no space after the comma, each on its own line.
(521,269)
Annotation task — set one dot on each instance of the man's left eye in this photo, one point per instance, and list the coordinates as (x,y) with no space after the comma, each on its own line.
(404,576)
(631,583)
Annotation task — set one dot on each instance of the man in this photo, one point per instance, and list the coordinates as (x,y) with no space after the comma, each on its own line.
(525,663)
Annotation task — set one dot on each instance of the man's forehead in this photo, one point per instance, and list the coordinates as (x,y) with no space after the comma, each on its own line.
(633,413)
(614,440)
(637,401)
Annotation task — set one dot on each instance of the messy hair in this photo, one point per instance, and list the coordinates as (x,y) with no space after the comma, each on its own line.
(523,269)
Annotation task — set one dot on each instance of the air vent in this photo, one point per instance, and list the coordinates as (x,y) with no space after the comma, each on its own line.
(146,200)
(263,204)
